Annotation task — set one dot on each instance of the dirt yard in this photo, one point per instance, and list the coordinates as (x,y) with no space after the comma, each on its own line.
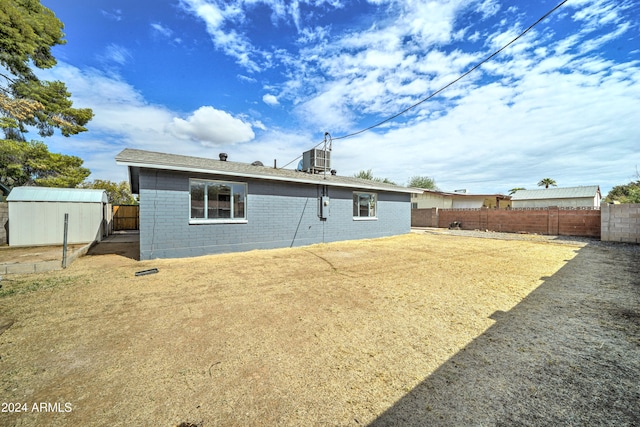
(13,255)
(413,330)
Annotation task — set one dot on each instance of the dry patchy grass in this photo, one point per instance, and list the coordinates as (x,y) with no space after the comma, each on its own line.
(331,334)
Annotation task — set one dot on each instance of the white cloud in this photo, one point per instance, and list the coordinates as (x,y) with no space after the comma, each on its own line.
(270,100)
(124,119)
(115,14)
(549,106)
(114,53)
(489,8)
(161,29)
(247,79)
(228,40)
(211,127)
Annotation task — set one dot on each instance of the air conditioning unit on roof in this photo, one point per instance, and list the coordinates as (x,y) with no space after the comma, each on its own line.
(315,160)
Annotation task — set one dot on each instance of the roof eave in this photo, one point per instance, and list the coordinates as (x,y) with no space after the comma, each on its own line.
(265,177)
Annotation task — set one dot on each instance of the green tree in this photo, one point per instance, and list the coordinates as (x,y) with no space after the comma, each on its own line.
(629,193)
(546,182)
(369,175)
(28,31)
(423,182)
(118,193)
(513,190)
(31,163)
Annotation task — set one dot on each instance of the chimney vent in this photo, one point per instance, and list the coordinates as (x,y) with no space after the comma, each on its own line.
(223,157)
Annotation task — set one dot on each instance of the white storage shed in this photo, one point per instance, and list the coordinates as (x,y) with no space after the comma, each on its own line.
(36,215)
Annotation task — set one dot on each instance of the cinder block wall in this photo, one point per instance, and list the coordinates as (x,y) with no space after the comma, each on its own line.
(4,223)
(579,222)
(278,215)
(553,221)
(424,217)
(620,223)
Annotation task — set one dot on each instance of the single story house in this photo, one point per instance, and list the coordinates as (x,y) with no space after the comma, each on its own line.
(584,196)
(191,206)
(457,200)
(37,215)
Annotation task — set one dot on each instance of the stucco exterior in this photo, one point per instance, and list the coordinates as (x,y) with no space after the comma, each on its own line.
(279,214)
(443,200)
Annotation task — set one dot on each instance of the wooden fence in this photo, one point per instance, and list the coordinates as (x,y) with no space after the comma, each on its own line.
(4,225)
(126,217)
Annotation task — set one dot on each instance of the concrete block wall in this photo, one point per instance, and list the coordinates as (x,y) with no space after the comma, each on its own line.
(620,223)
(579,222)
(279,214)
(552,221)
(427,217)
(519,221)
(4,223)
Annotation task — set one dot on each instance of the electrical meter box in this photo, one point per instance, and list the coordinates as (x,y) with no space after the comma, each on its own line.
(324,207)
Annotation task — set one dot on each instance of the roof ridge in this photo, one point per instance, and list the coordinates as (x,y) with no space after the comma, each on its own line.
(136,158)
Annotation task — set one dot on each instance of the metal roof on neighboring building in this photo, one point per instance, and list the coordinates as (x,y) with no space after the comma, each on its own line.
(463,195)
(557,193)
(136,159)
(50,194)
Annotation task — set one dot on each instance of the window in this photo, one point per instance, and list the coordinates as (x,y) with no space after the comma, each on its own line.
(217,201)
(364,205)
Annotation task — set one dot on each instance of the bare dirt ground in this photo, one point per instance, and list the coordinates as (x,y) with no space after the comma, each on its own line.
(14,255)
(420,329)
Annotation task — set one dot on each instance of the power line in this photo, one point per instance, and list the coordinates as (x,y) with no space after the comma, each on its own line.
(475,67)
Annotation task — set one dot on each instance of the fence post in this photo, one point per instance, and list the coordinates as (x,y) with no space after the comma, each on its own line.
(64,241)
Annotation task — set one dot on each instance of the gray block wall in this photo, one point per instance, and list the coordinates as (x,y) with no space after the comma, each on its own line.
(279,214)
(620,223)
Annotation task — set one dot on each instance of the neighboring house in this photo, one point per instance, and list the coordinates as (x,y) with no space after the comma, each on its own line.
(445,200)
(584,196)
(192,206)
(36,215)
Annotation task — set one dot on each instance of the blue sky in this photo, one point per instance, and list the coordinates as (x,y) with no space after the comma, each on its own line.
(265,79)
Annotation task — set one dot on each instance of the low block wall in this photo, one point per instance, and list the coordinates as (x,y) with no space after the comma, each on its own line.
(621,223)
(424,217)
(4,223)
(552,221)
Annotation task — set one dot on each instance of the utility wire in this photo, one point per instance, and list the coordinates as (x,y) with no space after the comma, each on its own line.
(475,67)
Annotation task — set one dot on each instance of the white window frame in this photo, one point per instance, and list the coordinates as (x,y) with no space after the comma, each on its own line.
(233,219)
(375,208)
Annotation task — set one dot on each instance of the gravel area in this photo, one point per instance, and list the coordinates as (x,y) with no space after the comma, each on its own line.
(573,240)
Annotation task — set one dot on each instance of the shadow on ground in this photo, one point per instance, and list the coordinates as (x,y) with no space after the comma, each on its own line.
(568,354)
(125,243)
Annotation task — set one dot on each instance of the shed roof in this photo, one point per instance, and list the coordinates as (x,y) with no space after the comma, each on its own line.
(136,159)
(557,193)
(50,194)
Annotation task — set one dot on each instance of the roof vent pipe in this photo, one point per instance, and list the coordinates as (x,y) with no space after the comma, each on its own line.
(223,157)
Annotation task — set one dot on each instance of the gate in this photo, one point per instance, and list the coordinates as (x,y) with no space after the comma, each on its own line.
(126,217)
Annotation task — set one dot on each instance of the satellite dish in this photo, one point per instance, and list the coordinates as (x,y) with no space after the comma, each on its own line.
(257,163)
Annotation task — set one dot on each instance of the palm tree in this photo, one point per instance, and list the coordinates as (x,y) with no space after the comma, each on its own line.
(513,190)
(547,182)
